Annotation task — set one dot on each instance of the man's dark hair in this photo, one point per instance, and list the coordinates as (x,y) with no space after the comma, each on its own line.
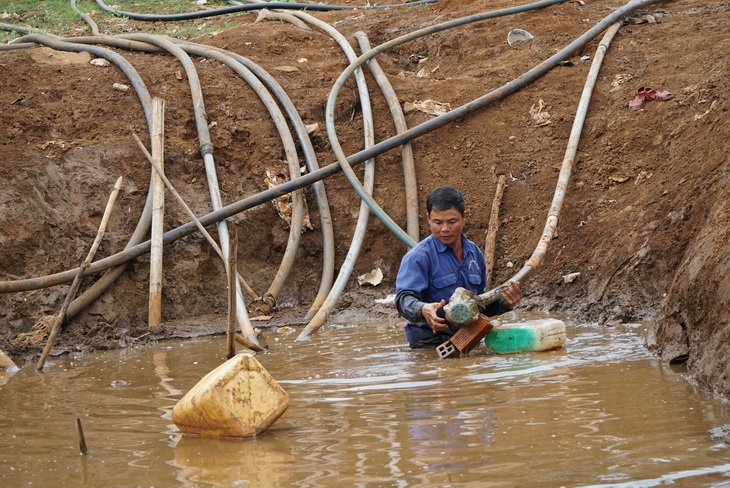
(445,198)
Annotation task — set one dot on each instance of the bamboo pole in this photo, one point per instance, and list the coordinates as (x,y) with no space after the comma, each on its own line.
(246,343)
(491,239)
(79,275)
(239,338)
(190,213)
(158,213)
(232,251)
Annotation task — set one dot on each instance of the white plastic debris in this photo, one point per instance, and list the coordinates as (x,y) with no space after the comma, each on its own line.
(517,37)
(372,278)
(100,62)
(387,300)
(432,107)
(569,278)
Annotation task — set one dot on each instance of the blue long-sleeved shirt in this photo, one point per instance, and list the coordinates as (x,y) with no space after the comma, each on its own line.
(431,272)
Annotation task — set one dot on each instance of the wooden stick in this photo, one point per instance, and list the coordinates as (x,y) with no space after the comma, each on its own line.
(190,213)
(246,343)
(79,275)
(233,248)
(82,438)
(158,213)
(491,239)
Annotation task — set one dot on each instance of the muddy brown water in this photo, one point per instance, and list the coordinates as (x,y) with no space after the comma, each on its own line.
(365,410)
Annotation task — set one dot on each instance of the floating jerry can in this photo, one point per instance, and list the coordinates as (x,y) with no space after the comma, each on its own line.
(239,398)
(532,335)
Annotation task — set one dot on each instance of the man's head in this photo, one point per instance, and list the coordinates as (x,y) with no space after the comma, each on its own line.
(445,198)
(446,215)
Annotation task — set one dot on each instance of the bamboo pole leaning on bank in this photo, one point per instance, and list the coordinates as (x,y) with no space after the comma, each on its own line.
(79,276)
(233,248)
(491,239)
(158,213)
(239,338)
(190,213)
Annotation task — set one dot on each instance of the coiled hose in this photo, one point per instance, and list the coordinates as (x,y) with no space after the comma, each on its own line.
(362,221)
(332,100)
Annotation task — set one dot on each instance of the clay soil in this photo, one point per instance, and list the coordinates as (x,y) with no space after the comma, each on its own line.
(644,223)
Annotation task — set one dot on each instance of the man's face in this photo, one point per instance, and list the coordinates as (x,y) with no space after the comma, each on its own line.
(446,225)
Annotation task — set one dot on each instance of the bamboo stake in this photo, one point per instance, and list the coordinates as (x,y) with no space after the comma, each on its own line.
(491,239)
(82,438)
(233,248)
(79,275)
(190,213)
(246,343)
(158,213)
(239,338)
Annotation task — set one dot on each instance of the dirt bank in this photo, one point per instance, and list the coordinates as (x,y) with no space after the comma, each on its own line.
(644,223)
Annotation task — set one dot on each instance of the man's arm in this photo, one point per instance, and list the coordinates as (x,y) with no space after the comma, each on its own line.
(509,297)
(414,310)
(409,306)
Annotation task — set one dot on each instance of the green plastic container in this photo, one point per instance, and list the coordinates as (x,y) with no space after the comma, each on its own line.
(533,335)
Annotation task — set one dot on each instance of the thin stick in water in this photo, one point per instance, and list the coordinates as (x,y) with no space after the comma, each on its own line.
(82,437)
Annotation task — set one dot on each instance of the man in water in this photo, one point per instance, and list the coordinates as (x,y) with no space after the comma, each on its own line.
(431,271)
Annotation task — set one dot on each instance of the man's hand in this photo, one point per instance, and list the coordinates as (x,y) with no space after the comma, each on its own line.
(511,294)
(429,312)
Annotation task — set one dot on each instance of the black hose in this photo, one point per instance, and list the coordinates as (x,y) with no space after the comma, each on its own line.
(86,18)
(306,144)
(251,6)
(143,225)
(331,169)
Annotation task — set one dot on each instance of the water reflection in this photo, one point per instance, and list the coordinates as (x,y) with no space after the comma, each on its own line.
(222,462)
(365,410)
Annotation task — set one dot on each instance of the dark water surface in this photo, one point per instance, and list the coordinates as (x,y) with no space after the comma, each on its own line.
(365,410)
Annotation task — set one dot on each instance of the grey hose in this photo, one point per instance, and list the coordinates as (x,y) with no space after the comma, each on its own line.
(289,149)
(362,221)
(409,165)
(325,215)
(206,149)
(143,225)
(87,18)
(332,100)
(334,168)
(303,136)
(259,78)
(310,158)
(253,6)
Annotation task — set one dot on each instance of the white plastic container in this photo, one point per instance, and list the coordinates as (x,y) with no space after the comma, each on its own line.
(532,335)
